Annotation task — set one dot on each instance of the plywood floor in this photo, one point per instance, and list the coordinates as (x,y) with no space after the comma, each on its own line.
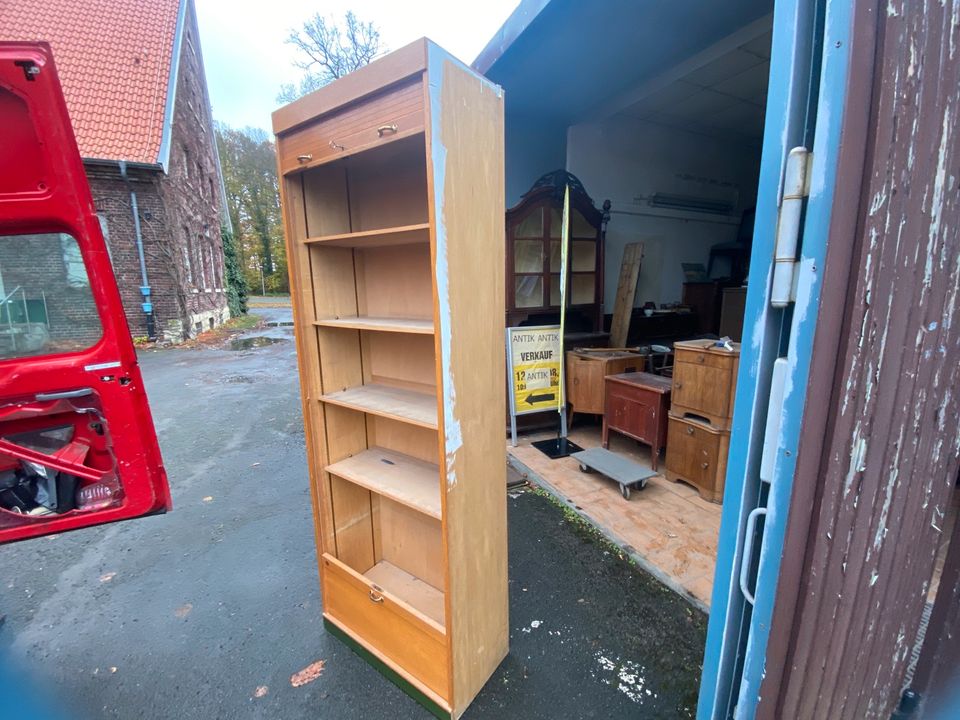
(666,526)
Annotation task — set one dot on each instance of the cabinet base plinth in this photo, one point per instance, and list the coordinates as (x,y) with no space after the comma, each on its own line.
(388,672)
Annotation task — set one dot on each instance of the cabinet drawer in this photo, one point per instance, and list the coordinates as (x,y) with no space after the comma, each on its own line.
(706,389)
(693,451)
(393,114)
(710,359)
(413,645)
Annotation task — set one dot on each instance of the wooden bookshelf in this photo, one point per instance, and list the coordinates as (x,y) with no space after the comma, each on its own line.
(392,190)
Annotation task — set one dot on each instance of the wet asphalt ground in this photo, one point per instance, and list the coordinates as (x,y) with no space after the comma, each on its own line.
(208,611)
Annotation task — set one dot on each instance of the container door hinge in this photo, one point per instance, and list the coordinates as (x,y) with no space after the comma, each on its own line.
(795,189)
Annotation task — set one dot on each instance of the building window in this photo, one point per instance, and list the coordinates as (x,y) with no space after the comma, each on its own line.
(75,271)
(186,162)
(105,231)
(47,305)
(218,265)
(188,255)
(204,264)
(200,177)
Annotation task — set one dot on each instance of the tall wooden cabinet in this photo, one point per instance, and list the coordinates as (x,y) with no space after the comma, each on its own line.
(392,191)
(701,415)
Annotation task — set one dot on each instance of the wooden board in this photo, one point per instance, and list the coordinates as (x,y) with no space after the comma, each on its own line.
(404,479)
(401,235)
(399,360)
(413,591)
(325,201)
(381,324)
(399,404)
(353,523)
(626,294)
(394,281)
(417,442)
(410,540)
(388,186)
(465,133)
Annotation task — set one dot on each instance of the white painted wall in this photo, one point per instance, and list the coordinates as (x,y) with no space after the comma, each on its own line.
(533,147)
(628,160)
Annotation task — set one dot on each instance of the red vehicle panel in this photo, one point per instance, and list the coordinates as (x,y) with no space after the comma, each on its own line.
(77,443)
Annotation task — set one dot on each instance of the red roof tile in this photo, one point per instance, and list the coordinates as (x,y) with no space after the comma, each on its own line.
(113,58)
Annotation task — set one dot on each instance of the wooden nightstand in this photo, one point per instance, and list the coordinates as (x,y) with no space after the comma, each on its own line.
(636,405)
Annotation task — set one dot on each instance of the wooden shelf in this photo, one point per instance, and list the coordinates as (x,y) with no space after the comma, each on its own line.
(410,589)
(401,235)
(406,480)
(380,324)
(396,403)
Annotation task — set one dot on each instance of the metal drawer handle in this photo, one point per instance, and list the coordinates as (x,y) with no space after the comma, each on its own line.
(689,431)
(678,385)
(384,129)
(336,146)
(700,358)
(375,595)
(704,465)
(306,157)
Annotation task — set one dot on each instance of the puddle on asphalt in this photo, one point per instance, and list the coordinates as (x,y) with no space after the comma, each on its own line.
(250,343)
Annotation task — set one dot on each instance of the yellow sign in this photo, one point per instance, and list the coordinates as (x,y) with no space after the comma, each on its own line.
(535,356)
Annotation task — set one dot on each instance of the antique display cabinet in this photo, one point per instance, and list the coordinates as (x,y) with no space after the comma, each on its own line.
(534,230)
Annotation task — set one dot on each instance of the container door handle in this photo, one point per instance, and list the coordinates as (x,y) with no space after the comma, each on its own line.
(745,560)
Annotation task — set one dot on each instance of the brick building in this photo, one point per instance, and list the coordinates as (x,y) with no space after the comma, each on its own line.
(133,79)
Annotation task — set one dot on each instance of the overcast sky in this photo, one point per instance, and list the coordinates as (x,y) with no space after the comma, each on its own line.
(247,60)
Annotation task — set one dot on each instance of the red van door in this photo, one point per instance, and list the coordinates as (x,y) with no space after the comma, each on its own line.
(77,443)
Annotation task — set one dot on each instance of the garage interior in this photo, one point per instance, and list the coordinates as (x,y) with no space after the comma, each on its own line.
(677,155)
(667,146)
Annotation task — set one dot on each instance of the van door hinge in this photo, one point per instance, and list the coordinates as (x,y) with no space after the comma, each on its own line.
(795,189)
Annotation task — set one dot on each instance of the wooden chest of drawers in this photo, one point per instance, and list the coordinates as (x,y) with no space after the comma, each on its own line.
(698,436)
(697,455)
(636,405)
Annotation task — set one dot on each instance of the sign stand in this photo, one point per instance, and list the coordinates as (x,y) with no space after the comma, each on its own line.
(535,366)
(535,371)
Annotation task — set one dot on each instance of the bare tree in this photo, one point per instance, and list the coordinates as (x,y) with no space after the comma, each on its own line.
(329,51)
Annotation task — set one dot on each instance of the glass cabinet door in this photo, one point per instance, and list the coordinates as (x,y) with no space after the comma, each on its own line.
(528,260)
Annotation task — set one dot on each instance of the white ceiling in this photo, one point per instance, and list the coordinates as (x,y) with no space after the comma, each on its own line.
(723,98)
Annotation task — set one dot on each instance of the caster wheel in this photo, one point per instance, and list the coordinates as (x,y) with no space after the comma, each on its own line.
(625,491)
(585,469)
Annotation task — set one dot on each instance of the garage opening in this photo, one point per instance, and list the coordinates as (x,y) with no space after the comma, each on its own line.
(670,164)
